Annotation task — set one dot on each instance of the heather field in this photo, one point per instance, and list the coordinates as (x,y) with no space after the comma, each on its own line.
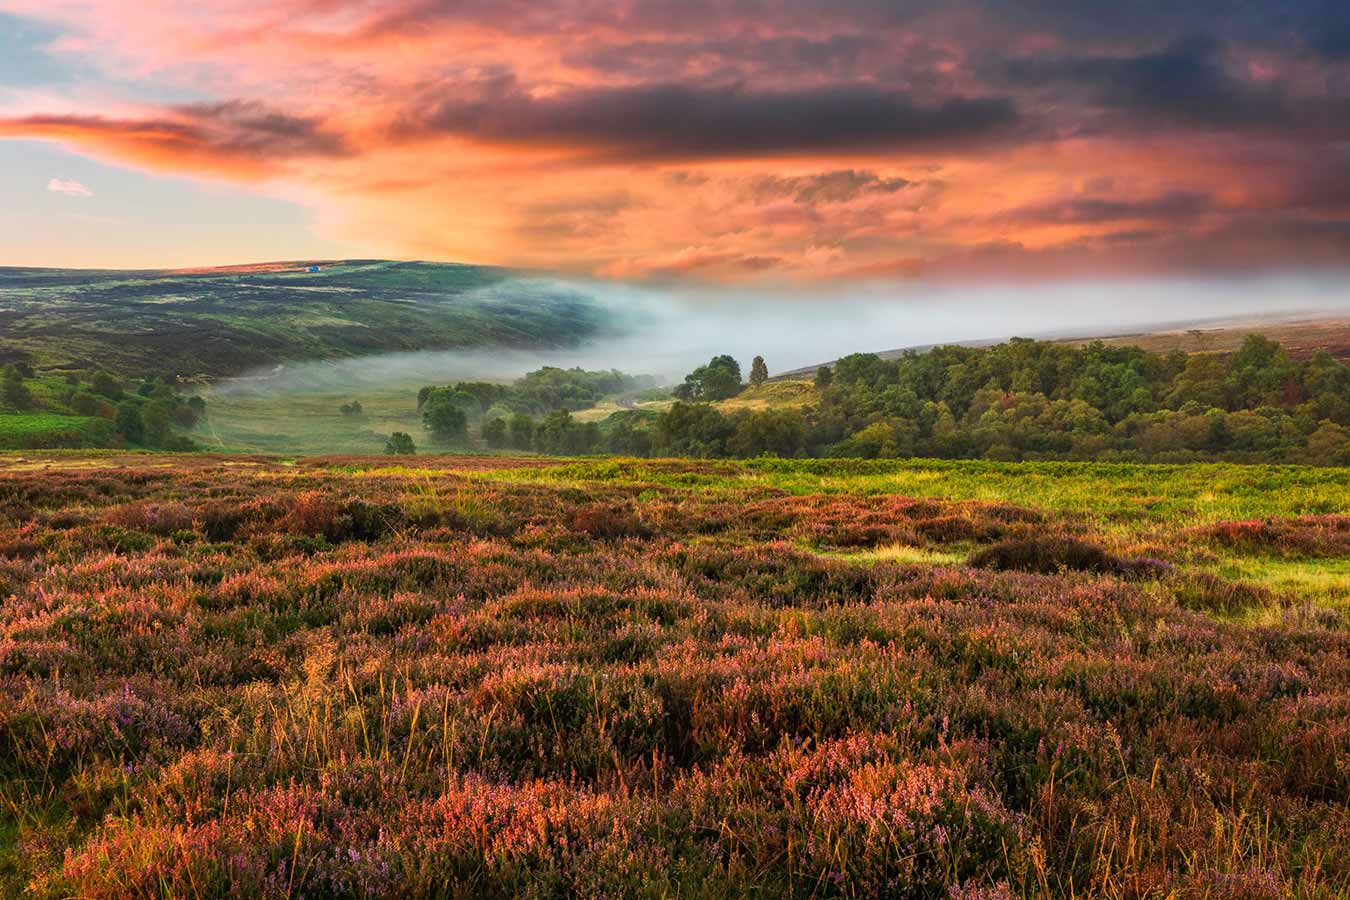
(495,677)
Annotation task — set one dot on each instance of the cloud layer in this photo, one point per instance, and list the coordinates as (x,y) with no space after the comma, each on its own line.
(757,139)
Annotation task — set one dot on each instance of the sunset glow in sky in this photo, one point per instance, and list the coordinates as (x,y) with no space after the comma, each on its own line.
(805,140)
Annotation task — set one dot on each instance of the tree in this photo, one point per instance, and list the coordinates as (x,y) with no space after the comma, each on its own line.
(759,372)
(693,429)
(824,377)
(128,421)
(15,392)
(352,409)
(718,380)
(108,386)
(155,419)
(444,417)
(520,429)
(494,433)
(86,404)
(626,438)
(400,443)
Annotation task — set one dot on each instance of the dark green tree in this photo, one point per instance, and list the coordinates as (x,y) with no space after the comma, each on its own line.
(128,421)
(400,443)
(520,432)
(494,433)
(13,389)
(86,404)
(107,385)
(444,417)
(156,418)
(718,380)
(759,372)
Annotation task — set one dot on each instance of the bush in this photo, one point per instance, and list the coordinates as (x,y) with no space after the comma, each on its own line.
(1048,556)
(400,443)
(608,521)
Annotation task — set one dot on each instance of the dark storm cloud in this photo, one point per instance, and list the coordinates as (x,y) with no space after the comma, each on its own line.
(675,120)
(1169,207)
(251,128)
(1329,33)
(832,55)
(1186,84)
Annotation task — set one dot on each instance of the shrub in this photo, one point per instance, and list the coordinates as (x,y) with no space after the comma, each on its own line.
(1047,556)
(400,443)
(609,522)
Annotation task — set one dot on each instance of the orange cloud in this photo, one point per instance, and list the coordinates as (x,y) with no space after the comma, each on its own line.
(811,139)
(232,139)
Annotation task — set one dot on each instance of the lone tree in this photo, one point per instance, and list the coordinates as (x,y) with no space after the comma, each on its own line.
(718,380)
(400,443)
(759,373)
(15,392)
(824,375)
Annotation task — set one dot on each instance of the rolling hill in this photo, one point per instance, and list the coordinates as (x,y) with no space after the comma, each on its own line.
(219,322)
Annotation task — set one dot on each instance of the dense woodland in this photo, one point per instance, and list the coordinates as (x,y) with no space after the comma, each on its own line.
(1024,399)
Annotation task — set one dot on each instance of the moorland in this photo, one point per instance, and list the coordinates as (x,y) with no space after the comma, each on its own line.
(497,677)
(227,321)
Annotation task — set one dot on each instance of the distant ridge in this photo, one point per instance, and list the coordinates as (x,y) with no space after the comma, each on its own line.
(1301,334)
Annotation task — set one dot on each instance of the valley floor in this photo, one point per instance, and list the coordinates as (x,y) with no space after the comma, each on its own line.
(483,676)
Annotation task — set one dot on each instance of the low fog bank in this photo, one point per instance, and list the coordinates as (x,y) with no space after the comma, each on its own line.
(666,331)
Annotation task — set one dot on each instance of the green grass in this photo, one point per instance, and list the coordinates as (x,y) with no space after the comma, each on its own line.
(1317,583)
(1102,492)
(903,553)
(785,394)
(1127,506)
(45,429)
(308,422)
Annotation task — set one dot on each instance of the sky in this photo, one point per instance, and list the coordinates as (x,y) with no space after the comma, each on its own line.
(747,141)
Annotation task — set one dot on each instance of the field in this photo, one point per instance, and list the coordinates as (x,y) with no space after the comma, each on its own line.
(19,431)
(309,421)
(493,677)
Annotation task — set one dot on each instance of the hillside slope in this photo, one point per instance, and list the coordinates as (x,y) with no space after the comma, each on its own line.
(219,322)
(1300,336)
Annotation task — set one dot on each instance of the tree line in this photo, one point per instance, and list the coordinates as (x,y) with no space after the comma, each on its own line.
(1022,400)
(1029,399)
